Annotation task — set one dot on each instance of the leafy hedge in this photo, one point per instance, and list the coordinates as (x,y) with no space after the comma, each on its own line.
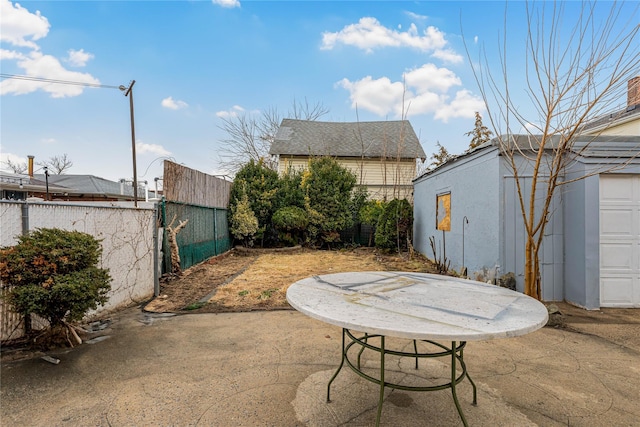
(54,274)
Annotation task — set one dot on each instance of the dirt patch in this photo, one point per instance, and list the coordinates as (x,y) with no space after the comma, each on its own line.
(195,284)
(243,280)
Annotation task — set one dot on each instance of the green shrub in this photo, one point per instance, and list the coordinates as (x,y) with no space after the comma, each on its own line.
(244,223)
(327,188)
(54,274)
(289,191)
(292,223)
(291,218)
(395,225)
(370,212)
(260,185)
(67,298)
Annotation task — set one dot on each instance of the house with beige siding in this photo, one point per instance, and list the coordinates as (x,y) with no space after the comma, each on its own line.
(382,155)
(625,121)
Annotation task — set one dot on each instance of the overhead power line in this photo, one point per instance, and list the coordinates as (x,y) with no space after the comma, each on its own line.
(62,82)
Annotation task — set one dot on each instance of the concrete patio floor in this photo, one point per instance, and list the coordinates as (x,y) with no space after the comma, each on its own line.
(272,369)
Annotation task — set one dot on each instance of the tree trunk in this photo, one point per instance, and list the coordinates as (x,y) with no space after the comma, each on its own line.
(173,244)
(531,274)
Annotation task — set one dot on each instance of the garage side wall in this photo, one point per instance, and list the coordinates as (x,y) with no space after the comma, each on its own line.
(473,241)
(551,251)
(577,281)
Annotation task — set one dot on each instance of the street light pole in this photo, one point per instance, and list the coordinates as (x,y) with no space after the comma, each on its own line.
(128,91)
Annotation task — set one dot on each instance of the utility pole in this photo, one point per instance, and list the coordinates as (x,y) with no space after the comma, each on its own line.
(128,91)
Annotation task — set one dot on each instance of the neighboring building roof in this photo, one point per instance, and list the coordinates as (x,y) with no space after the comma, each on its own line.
(601,146)
(17,182)
(625,146)
(347,139)
(90,184)
(625,115)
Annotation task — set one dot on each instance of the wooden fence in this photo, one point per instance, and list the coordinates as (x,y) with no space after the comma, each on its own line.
(185,185)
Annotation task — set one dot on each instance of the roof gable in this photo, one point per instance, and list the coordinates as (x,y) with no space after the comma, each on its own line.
(391,139)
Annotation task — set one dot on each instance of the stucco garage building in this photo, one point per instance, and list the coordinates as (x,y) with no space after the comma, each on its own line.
(590,254)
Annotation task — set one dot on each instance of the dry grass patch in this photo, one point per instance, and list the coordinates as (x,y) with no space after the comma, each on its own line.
(244,280)
(265,284)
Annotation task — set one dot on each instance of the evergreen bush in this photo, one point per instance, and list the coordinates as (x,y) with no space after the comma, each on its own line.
(395,225)
(54,274)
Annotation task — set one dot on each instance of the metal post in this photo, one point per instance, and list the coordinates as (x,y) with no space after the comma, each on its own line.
(129,92)
(156,248)
(25,218)
(46,180)
(464,221)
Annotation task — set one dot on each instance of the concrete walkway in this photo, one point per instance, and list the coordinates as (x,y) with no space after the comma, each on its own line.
(272,369)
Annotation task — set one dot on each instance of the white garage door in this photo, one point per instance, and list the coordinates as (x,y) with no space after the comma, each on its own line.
(620,240)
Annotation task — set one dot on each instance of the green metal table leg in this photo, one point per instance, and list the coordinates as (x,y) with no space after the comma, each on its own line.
(456,352)
(454,355)
(381,399)
(366,338)
(475,393)
(339,368)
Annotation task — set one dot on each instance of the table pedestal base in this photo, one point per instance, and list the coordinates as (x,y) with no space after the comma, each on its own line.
(455,352)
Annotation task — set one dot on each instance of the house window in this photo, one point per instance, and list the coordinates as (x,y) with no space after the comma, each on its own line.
(14,195)
(443,211)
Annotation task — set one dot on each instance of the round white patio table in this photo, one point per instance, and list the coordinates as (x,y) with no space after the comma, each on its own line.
(415,306)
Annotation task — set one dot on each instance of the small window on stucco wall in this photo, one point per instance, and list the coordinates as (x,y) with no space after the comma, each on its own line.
(443,211)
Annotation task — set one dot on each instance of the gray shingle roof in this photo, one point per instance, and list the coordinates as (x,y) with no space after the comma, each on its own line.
(90,184)
(347,139)
(611,119)
(601,146)
(594,147)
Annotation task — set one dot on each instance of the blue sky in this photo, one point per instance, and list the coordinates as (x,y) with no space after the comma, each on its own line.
(196,62)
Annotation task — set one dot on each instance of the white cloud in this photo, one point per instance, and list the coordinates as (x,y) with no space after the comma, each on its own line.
(13,158)
(448,56)
(430,77)
(227,3)
(475,39)
(425,91)
(235,111)
(158,150)
(530,128)
(21,27)
(380,96)
(465,104)
(416,17)
(38,65)
(10,54)
(369,34)
(79,58)
(48,140)
(172,104)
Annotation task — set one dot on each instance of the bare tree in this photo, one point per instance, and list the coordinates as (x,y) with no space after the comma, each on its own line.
(577,67)
(250,137)
(16,167)
(57,165)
